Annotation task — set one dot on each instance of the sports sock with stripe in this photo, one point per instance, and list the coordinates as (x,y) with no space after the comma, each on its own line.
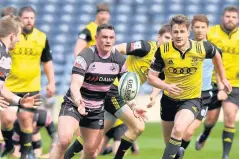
(227,139)
(125,144)
(171,148)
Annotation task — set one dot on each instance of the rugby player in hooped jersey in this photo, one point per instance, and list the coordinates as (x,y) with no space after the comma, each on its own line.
(139,60)
(83,103)
(181,60)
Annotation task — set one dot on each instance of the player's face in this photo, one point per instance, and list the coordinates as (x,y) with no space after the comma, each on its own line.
(180,35)
(164,38)
(230,20)
(105,40)
(28,20)
(14,39)
(103,17)
(200,30)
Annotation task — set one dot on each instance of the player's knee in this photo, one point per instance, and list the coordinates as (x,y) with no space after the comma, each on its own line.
(229,120)
(139,128)
(188,134)
(178,130)
(64,141)
(7,121)
(90,153)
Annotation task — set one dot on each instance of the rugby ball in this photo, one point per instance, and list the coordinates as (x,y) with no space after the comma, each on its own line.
(128,86)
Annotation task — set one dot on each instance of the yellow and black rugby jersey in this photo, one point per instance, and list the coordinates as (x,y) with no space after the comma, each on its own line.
(25,74)
(88,34)
(229,44)
(143,53)
(117,123)
(184,69)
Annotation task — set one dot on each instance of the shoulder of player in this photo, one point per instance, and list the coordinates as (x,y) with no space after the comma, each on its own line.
(39,33)
(118,55)
(91,24)
(164,48)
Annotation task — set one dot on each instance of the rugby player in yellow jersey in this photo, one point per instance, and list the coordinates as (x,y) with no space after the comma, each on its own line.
(10,30)
(140,56)
(226,37)
(25,76)
(86,37)
(181,60)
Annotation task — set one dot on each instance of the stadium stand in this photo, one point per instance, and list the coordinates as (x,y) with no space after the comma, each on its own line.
(133,19)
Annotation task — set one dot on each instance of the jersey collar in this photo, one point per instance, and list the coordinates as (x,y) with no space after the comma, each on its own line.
(229,33)
(183,53)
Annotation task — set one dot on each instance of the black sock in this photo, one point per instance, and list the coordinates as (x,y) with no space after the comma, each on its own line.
(124,146)
(185,144)
(107,150)
(76,147)
(206,132)
(171,148)
(227,138)
(7,135)
(25,142)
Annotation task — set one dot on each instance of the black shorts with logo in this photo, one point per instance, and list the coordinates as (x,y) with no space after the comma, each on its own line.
(206,101)
(20,108)
(117,132)
(170,107)
(93,120)
(113,101)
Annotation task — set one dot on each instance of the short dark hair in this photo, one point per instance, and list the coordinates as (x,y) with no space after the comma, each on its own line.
(201,18)
(102,7)
(8,11)
(180,19)
(105,26)
(165,28)
(26,9)
(230,9)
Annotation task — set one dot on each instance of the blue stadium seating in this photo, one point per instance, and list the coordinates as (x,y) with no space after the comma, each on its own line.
(62,20)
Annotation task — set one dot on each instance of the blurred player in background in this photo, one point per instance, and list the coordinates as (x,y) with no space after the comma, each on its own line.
(226,37)
(181,61)
(24,78)
(86,37)
(42,118)
(141,54)
(8,11)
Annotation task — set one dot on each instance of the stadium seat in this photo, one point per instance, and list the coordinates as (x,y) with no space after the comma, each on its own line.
(62,20)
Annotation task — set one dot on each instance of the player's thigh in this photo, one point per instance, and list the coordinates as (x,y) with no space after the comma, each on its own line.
(91,139)
(109,120)
(229,111)
(187,112)
(127,116)
(68,120)
(191,129)
(167,129)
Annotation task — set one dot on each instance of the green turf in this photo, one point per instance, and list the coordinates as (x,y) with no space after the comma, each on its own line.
(151,144)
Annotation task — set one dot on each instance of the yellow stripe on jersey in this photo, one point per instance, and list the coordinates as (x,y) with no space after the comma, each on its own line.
(25,73)
(184,70)
(92,27)
(229,44)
